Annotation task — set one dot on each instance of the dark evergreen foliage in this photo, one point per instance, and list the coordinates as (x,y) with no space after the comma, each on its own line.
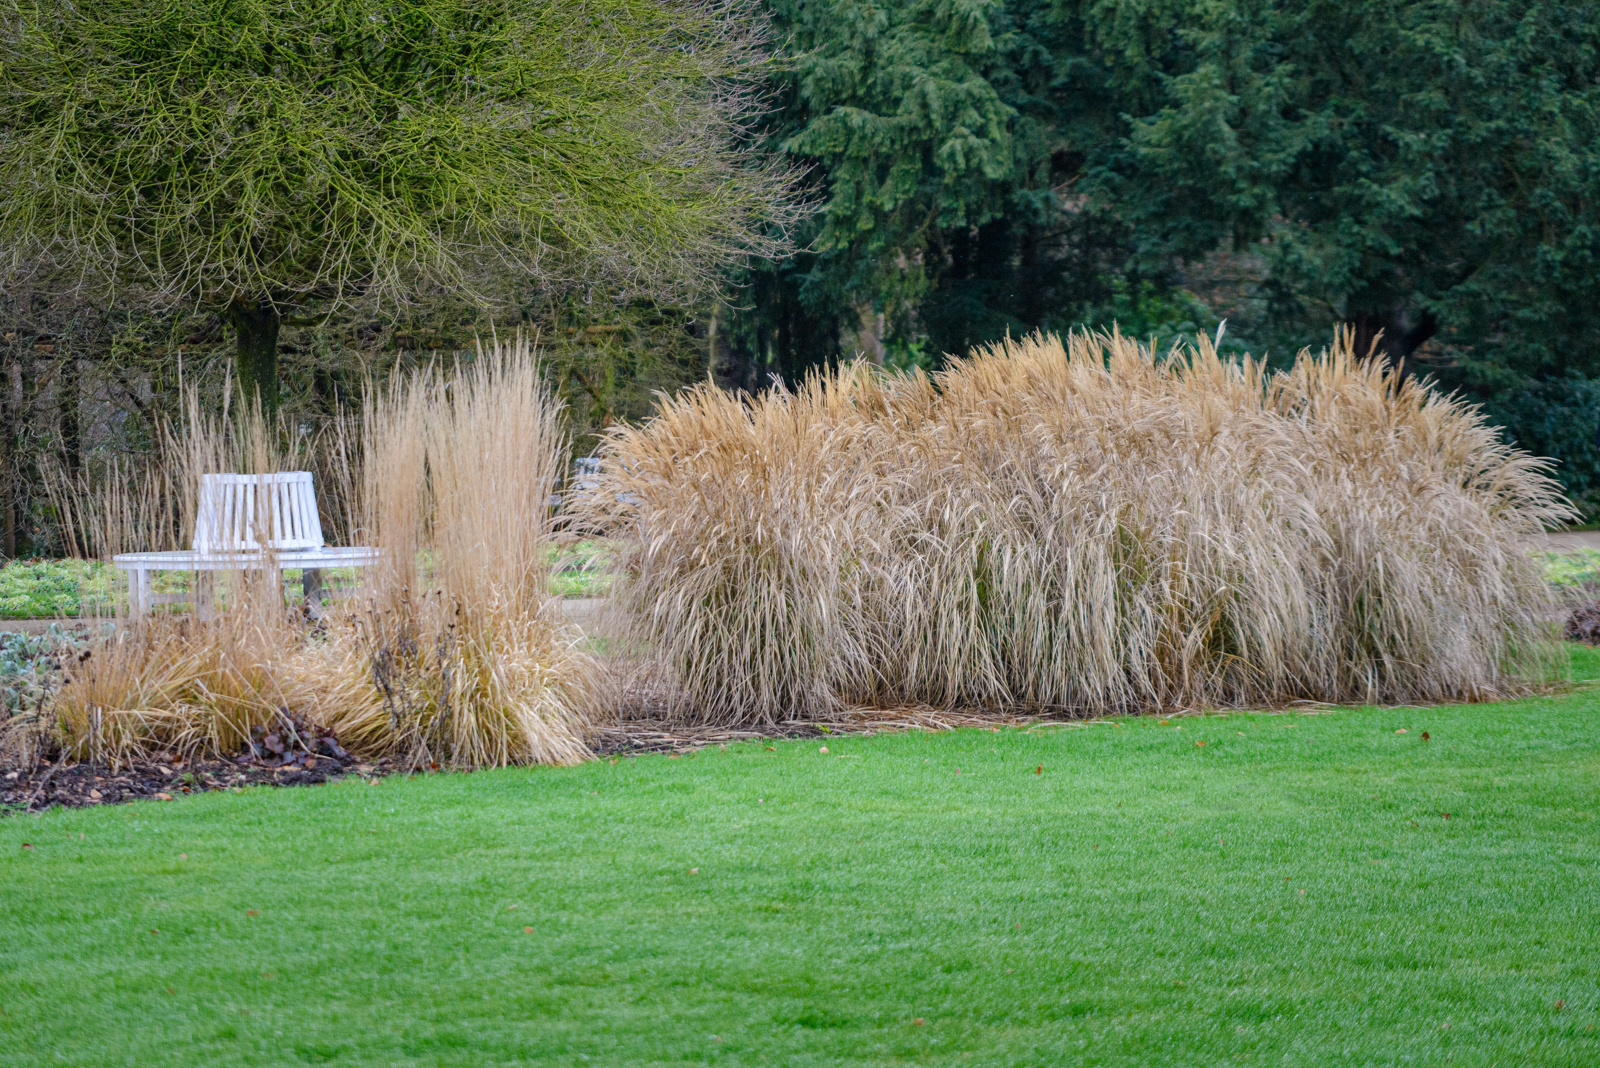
(1427,171)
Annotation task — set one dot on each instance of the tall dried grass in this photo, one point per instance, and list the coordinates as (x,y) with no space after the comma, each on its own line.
(174,684)
(1080,526)
(453,654)
(449,654)
(148,502)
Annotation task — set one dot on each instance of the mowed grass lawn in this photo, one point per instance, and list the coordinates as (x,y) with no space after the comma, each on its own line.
(1289,893)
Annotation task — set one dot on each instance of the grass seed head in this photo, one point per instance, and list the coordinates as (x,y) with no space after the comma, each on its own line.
(1078,524)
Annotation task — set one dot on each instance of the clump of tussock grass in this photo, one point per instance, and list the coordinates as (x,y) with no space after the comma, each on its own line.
(449,653)
(1080,526)
(174,685)
(170,684)
(452,654)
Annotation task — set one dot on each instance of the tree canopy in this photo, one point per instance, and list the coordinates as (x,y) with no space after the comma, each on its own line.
(266,156)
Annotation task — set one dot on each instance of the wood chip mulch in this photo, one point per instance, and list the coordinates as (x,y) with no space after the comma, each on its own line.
(634,737)
(80,785)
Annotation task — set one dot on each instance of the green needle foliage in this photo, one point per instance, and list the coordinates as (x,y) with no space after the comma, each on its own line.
(265,156)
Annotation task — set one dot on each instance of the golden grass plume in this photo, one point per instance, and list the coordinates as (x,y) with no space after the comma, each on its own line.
(1078,524)
(452,655)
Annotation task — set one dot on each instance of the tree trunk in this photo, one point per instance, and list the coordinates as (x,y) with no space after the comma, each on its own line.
(10,408)
(1394,332)
(255,325)
(69,390)
(869,335)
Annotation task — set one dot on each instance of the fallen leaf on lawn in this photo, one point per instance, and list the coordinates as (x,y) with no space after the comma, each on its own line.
(672,756)
(1402,730)
(1302,891)
(1200,742)
(958,771)
(1424,735)
(1039,770)
(613,760)
(527,930)
(1560,1005)
(694,871)
(251,912)
(772,749)
(155,930)
(1446,815)
(1163,722)
(27,845)
(163,797)
(824,749)
(171,991)
(918,1022)
(183,856)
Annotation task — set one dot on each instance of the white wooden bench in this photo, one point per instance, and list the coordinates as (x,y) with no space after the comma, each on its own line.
(245,523)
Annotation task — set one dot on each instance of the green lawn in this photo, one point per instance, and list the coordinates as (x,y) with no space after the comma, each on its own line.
(1289,893)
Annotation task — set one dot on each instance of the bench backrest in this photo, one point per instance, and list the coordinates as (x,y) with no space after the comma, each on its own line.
(237,510)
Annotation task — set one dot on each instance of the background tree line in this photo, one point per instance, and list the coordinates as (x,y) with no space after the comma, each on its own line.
(744,192)
(1428,171)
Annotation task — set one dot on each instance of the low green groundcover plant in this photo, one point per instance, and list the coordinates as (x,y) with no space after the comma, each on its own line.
(1367,886)
(583,569)
(1573,569)
(44,589)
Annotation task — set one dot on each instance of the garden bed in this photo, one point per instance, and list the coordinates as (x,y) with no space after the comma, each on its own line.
(81,785)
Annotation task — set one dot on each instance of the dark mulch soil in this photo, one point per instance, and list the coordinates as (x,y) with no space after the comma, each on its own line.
(1583,625)
(303,756)
(75,785)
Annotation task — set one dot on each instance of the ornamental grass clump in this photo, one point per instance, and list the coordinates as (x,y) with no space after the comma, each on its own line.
(448,653)
(452,653)
(194,684)
(1080,526)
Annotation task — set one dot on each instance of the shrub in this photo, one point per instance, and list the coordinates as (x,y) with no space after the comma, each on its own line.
(1080,526)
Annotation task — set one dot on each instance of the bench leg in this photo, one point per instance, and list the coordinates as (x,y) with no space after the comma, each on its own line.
(204,596)
(138,593)
(311,587)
